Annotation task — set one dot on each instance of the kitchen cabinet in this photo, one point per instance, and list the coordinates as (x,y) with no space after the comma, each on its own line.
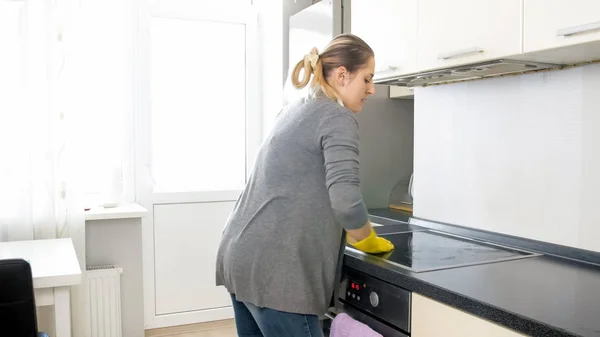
(559,23)
(390,28)
(459,32)
(433,319)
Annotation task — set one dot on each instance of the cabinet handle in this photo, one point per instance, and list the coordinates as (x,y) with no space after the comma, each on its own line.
(389,70)
(460,53)
(410,186)
(578,29)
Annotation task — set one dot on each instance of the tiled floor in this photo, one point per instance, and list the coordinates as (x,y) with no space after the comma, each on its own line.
(211,329)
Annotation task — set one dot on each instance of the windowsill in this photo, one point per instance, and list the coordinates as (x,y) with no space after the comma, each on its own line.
(123,211)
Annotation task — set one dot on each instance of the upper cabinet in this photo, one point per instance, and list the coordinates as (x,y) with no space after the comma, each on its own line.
(418,42)
(390,28)
(559,23)
(458,32)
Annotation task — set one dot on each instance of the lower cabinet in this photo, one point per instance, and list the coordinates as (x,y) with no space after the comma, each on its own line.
(433,319)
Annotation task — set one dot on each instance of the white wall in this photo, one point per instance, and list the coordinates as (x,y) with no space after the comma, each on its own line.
(290,7)
(271,73)
(518,155)
(274,29)
(119,242)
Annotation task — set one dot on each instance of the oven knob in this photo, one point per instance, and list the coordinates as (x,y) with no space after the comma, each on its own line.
(374,298)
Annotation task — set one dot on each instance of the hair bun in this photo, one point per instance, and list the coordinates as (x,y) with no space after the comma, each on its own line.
(309,64)
(345,50)
(312,57)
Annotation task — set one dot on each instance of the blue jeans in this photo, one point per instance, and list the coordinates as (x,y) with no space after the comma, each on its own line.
(252,321)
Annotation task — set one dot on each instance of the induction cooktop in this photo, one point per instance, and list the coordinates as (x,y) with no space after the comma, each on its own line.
(429,250)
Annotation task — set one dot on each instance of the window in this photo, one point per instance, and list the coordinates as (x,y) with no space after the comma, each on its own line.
(204,121)
(198,104)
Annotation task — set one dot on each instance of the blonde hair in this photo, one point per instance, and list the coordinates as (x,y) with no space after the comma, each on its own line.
(345,50)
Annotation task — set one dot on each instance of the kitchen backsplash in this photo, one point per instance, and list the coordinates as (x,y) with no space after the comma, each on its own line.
(518,155)
(386,145)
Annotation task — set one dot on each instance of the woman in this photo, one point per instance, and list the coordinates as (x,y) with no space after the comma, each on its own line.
(280,248)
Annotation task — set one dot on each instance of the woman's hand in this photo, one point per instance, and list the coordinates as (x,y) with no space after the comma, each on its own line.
(372,244)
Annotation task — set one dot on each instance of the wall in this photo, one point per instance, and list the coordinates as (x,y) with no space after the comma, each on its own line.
(45,318)
(270,47)
(386,145)
(274,48)
(119,242)
(274,29)
(517,155)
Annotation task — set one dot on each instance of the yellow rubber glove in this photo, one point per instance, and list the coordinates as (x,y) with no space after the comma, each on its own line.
(373,244)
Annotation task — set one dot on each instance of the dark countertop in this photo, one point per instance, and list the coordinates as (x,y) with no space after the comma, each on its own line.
(537,296)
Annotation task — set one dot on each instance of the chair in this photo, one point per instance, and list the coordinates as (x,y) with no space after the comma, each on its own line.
(18,315)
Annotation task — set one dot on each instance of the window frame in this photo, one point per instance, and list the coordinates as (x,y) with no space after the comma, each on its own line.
(193,10)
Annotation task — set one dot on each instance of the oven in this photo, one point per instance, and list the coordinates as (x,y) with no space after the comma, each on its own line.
(382,306)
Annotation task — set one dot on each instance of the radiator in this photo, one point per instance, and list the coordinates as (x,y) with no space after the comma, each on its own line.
(104,290)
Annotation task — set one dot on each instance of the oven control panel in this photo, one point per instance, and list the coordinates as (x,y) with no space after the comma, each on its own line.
(383,300)
(358,291)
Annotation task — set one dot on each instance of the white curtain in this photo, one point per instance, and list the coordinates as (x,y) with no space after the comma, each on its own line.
(40,118)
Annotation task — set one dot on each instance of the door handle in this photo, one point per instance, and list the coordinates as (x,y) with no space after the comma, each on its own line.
(460,53)
(410,186)
(570,31)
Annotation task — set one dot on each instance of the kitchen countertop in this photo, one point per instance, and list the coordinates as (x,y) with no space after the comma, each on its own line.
(537,296)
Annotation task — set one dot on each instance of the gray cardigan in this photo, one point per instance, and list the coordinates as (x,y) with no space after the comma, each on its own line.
(281,243)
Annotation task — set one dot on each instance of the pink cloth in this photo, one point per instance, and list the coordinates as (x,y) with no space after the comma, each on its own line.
(345,326)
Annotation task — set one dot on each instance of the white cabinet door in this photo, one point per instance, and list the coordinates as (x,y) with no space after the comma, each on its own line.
(558,23)
(433,319)
(390,28)
(467,31)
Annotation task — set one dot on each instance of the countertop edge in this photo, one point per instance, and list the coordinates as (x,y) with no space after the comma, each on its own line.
(472,306)
(122,211)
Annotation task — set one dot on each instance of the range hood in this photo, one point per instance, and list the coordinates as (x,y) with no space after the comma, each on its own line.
(466,72)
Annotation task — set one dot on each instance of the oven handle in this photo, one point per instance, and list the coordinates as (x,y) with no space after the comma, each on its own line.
(388,331)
